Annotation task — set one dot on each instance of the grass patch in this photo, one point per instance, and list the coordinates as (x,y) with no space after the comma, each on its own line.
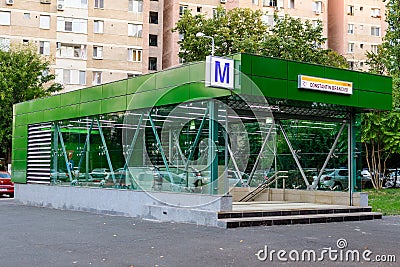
(386,201)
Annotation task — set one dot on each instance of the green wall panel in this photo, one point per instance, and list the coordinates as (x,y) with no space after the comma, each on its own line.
(19,165)
(35,117)
(21,119)
(380,101)
(198,91)
(270,87)
(351,100)
(70,98)
(375,83)
(246,64)
(21,108)
(141,84)
(90,108)
(115,89)
(113,104)
(197,72)
(92,93)
(304,95)
(342,75)
(297,68)
(269,67)
(141,100)
(172,77)
(172,95)
(18,176)
(20,131)
(20,142)
(63,112)
(20,154)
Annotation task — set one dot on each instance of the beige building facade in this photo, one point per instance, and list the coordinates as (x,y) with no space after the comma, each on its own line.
(89,42)
(92,42)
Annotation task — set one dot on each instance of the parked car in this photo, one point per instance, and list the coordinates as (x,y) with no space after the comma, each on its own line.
(392,178)
(6,185)
(59,175)
(337,179)
(366,179)
(99,174)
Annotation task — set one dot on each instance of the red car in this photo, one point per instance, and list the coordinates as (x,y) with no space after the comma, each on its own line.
(6,186)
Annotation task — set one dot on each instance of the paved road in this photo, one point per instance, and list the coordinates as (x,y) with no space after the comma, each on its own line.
(34,236)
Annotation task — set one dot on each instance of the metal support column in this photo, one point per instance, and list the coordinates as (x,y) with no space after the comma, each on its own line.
(134,139)
(55,153)
(351,155)
(193,147)
(259,154)
(212,145)
(85,149)
(159,145)
(330,154)
(57,128)
(103,140)
(296,159)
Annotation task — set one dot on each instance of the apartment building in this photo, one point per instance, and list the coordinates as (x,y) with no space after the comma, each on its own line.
(351,26)
(355,27)
(89,42)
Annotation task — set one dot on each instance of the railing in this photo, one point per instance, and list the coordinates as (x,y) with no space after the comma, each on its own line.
(264,185)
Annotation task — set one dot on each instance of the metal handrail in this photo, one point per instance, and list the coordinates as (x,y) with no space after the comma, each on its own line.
(263,186)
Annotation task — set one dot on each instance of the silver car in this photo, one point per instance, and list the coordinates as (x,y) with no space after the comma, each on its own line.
(337,179)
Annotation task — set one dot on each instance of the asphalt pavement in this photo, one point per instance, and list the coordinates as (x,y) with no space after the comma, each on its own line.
(33,236)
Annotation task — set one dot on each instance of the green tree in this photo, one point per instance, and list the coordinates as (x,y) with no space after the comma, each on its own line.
(24,75)
(243,30)
(380,133)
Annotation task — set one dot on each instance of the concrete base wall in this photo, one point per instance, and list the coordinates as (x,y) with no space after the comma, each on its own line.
(292,195)
(161,206)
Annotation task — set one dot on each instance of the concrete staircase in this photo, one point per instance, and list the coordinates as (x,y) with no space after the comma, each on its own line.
(289,214)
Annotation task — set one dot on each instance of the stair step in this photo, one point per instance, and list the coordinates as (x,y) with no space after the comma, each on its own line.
(300,219)
(288,212)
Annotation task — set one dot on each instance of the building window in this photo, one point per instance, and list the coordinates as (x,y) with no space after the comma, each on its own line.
(98,26)
(135,6)
(44,48)
(362,46)
(350,29)
(71,51)
(291,4)
(270,3)
(361,8)
(199,9)
(361,27)
(97,52)
(73,77)
(351,65)
(374,49)
(152,63)
(98,3)
(25,41)
(182,10)
(152,40)
(96,77)
(27,15)
(317,7)
(4,44)
(44,22)
(351,48)
(375,12)
(350,10)
(153,17)
(375,31)
(71,25)
(5,18)
(134,55)
(135,30)
(315,23)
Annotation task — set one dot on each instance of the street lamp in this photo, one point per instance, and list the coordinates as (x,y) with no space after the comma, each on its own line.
(200,34)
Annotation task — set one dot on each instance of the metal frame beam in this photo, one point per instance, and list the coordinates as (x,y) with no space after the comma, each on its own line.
(106,150)
(84,151)
(330,154)
(57,128)
(296,159)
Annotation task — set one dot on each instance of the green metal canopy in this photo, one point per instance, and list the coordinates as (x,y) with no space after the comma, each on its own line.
(256,77)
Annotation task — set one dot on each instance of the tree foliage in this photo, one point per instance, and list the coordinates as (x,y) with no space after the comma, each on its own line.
(24,75)
(243,30)
(381,129)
